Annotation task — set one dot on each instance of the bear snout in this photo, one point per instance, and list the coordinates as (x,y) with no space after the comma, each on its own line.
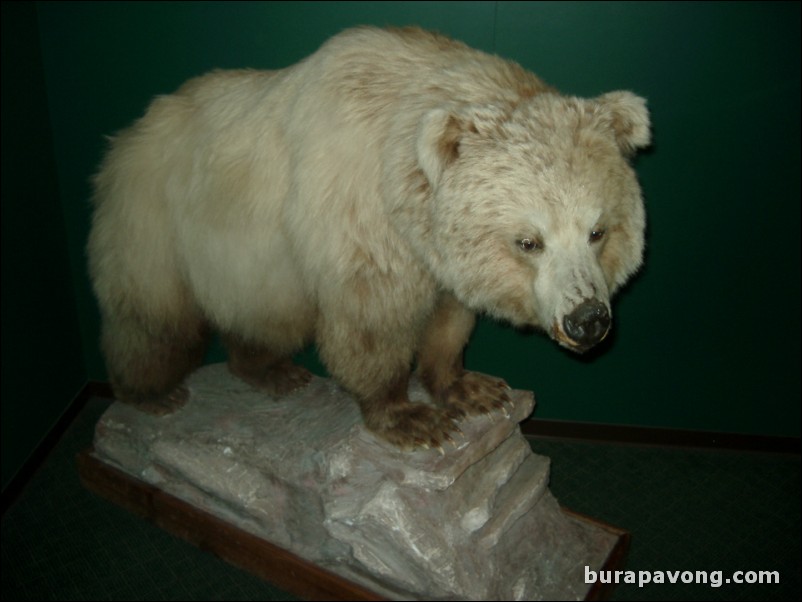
(587,324)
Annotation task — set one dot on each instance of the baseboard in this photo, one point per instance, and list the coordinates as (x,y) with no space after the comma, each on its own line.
(621,433)
(660,437)
(534,428)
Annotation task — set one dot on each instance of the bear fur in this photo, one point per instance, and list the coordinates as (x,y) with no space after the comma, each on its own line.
(372,198)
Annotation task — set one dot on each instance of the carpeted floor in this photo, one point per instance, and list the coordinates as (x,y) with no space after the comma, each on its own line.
(687,510)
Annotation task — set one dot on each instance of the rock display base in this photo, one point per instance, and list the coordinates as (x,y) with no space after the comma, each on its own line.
(474,522)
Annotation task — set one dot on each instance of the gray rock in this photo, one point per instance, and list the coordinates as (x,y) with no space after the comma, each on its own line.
(475,521)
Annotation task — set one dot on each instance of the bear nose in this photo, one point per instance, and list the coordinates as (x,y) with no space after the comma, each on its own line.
(587,324)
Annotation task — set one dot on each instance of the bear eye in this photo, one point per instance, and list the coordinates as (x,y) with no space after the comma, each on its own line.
(530,244)
(596,235)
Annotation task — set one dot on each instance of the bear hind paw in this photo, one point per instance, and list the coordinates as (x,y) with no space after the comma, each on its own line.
(277,380)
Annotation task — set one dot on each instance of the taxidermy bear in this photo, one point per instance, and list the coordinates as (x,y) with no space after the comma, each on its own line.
(371,199)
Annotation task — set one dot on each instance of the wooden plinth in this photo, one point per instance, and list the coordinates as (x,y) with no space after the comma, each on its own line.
(254,554)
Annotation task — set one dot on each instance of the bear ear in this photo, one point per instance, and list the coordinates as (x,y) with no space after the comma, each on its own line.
(627,115)
(438,142)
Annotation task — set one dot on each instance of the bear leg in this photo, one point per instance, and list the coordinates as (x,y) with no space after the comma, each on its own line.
(375,365)
(147,363)
(440,364)
(264,369)
(392,416)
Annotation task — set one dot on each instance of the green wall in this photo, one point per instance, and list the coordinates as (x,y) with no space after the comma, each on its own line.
(706,337)
(42,361)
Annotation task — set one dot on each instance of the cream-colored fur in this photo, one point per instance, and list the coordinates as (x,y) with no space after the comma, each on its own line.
(384,189)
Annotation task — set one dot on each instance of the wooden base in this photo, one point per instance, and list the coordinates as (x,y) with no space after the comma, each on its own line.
(254,554)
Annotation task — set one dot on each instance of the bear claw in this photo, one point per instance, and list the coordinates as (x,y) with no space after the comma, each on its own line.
(417,426)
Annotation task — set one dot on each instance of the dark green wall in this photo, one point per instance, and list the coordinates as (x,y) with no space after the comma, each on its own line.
(707,337)
(42,361)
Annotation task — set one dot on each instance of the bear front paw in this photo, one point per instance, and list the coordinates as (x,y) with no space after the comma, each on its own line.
(474,394)
(415,425)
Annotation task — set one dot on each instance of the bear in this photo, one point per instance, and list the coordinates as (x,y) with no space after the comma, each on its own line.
(371,199)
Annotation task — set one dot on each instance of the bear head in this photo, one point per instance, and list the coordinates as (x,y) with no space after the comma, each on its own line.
(535,213)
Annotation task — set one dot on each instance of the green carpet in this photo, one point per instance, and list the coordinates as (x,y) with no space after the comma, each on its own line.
(687,510)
